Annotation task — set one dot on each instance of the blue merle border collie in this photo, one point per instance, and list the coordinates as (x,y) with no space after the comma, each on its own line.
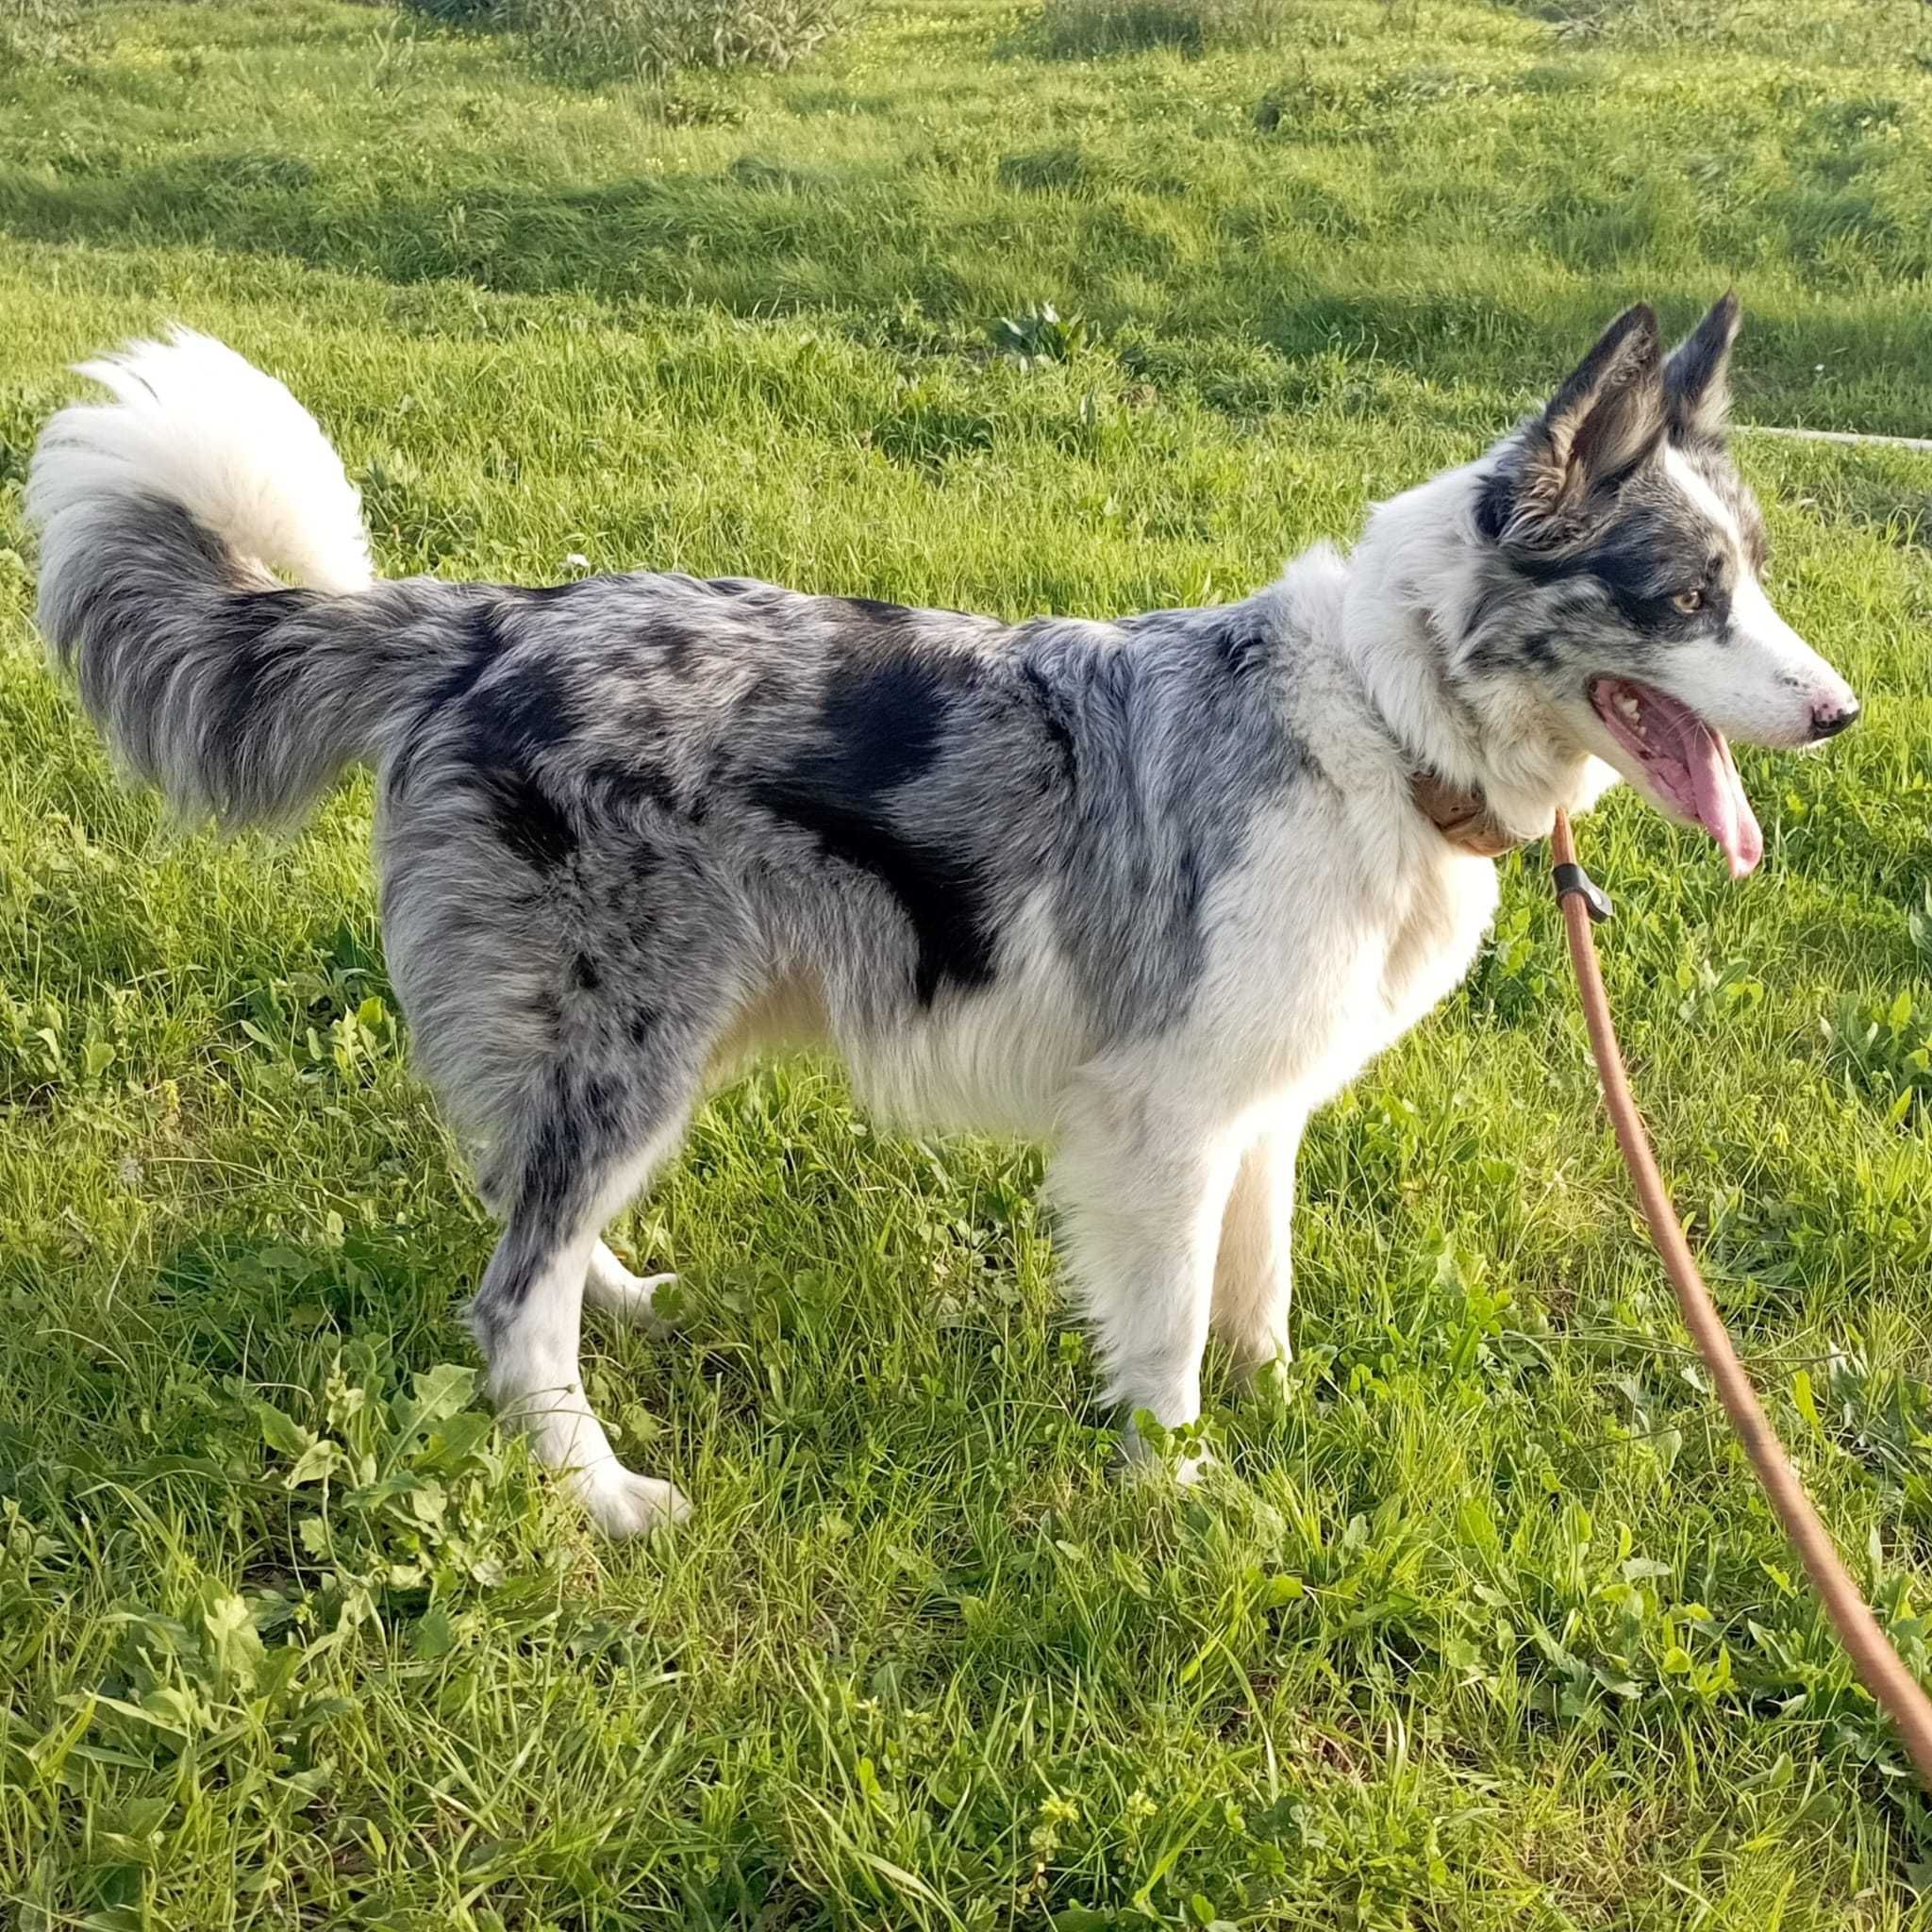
(1147,889)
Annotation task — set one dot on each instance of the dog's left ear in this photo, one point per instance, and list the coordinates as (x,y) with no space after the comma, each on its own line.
(1697,378)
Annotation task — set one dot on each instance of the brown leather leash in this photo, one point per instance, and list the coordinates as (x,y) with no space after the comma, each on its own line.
(1878,1665)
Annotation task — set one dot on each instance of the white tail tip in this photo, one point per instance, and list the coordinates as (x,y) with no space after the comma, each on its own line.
(194,423)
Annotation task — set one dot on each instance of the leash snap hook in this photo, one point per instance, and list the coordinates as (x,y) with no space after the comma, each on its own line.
(1573,878)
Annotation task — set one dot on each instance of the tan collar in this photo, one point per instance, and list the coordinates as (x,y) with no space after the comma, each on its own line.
(1463,818)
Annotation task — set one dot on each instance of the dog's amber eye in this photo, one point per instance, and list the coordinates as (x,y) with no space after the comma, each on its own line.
(1687,601)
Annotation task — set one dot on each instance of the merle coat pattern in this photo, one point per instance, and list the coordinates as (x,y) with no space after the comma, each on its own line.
(1149,890)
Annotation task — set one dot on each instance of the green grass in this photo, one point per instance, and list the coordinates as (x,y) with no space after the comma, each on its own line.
(1488,1629)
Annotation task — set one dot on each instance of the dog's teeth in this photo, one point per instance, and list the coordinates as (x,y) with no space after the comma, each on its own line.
(1630,708)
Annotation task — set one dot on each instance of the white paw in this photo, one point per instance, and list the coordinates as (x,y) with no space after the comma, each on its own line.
(1267,1380)
(629,1298)
(1263,1357)
(624,1504)
(1138,1458)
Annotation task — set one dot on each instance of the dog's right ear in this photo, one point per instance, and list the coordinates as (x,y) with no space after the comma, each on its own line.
(1604,422)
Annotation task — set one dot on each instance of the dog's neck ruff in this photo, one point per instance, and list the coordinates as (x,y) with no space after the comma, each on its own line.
(1461,815)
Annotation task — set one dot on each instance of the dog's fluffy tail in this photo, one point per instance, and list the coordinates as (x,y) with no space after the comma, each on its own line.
(161,515)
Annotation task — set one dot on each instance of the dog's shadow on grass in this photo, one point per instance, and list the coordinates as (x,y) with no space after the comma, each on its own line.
(153,1377)
(260,1305)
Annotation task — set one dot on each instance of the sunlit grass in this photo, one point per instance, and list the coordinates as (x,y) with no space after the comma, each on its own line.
(1488,1629)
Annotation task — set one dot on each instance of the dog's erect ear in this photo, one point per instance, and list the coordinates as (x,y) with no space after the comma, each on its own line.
(1697,382)
(1599,426)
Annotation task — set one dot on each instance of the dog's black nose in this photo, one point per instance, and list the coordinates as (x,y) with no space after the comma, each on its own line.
(1829,724)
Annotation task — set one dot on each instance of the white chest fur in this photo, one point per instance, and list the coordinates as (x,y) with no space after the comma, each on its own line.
(1323,956)
(1433,941)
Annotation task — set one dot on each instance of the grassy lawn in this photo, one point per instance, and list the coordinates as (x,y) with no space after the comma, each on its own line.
(1486,1627)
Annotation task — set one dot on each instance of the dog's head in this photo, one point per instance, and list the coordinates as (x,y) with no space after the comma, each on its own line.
(1620,573)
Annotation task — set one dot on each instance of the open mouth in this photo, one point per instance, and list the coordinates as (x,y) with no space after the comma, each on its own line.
(1688,763)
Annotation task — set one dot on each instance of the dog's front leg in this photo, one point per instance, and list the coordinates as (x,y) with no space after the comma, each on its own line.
(1141,1197)
(1252,1276)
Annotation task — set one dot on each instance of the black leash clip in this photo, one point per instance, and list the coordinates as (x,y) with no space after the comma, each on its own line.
(1573,878)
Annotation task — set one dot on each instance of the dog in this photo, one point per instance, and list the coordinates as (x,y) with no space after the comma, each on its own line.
(1149,890)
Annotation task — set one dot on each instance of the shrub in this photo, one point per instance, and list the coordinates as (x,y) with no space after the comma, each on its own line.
(1885,31)
(650,37)
(39,32)
(460,12)
(1117,26)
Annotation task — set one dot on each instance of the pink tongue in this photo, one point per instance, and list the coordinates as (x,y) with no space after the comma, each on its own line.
(1723,809)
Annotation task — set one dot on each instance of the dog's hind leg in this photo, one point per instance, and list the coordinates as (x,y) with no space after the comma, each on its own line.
(566,984)
(613,1290)
(586,1145)
(1141,1198)
(1252,1276)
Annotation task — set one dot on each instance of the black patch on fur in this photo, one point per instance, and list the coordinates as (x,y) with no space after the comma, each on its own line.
(1540,650)
(882,724)
(1493,504)
(527,821)
(584,974)
(486,643)
(1053,717)
(894,618)
(937,891)
(643,1023)
(509,720)
(525,709)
